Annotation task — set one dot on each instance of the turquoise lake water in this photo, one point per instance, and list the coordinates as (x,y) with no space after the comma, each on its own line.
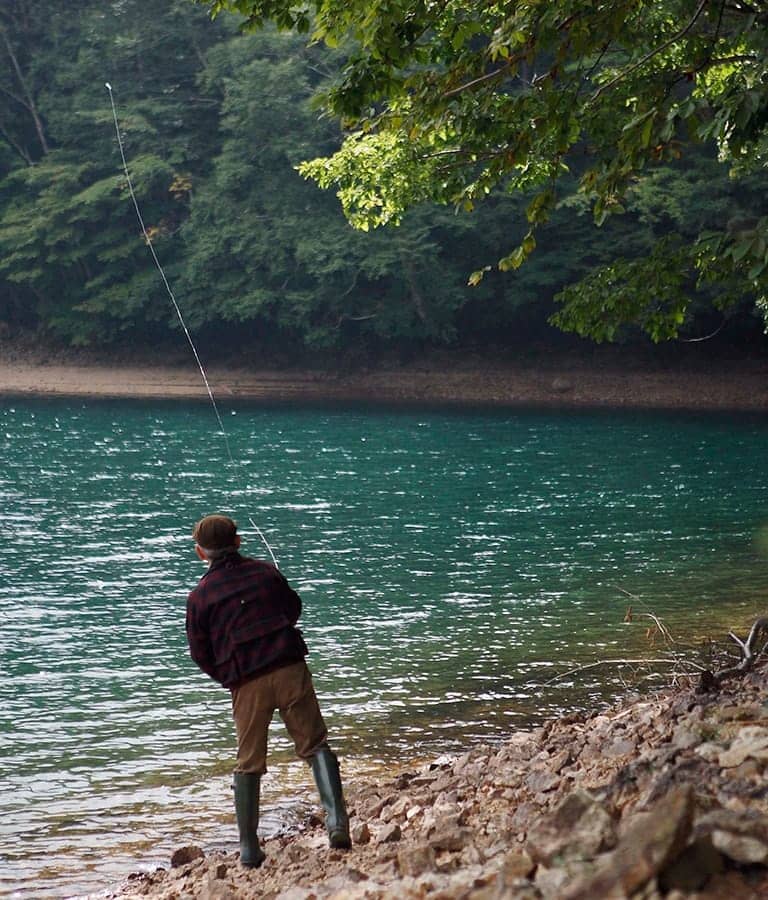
(451,565)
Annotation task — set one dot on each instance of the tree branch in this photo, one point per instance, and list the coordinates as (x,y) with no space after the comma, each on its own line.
(344,317)
(724,60)
(470,84)
(16,146)
(20,100)
(711,681)
(30,104)
(648,56)
(706,337)
(613,662)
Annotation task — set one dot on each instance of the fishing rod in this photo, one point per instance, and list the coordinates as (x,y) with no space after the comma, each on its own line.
(177,308)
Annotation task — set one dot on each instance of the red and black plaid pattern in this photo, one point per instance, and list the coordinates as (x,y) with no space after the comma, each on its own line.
(241,620)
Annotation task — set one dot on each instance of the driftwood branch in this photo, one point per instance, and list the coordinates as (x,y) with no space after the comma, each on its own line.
(752,649)
(750,654)
(637,662)
(630,615)
(674,648)
(679,653)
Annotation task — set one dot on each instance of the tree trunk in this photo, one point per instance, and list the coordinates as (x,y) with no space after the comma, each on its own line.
(413,287)
(27,100)
(22,151)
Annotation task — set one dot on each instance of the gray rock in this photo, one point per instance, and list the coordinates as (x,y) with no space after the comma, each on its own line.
(620,747)
(741,837)
(752,741)
(517,864)
(741,848)
(542,781)
(454,840)
(683,737)
(401,807)
(693,868)
(389,834)
(185,855)
(215,889)
(360,833)
(556,763)
(373,807)
(416,861)
(651,842)
(297,893)
(387,814)
(578,828)
(552,883)
(524,813)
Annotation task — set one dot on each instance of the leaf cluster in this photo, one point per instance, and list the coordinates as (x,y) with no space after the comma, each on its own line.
(450,102)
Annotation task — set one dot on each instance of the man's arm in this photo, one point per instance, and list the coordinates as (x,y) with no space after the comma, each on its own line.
(199,639)
(290,599)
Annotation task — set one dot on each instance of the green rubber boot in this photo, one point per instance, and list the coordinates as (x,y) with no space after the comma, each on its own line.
(246,786)
(325,768)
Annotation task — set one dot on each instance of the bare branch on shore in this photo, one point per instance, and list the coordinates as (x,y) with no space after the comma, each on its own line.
(625,662)
(711,681)
(630,615)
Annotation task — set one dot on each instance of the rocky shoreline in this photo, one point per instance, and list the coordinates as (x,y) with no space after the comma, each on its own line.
(662,797)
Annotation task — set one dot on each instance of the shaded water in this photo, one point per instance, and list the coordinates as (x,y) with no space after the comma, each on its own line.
(450,565)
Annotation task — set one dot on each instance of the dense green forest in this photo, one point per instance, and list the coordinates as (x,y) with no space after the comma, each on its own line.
(214,123)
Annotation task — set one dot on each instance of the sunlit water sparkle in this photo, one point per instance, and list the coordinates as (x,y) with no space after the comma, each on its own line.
(450,565)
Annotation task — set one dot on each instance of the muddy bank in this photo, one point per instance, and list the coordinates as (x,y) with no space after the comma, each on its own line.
(663,797)
(593,383)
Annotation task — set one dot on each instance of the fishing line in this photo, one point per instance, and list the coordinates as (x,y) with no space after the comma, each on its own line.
(176,306)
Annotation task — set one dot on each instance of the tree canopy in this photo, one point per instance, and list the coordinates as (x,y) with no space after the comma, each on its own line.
(215,123)
(455,101)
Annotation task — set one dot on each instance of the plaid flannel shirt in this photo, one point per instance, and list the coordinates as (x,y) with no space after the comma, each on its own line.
(241,620)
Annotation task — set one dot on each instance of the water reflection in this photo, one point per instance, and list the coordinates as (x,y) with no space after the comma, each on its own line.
(450,566)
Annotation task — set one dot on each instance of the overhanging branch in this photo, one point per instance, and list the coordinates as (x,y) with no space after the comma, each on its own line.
(649,56)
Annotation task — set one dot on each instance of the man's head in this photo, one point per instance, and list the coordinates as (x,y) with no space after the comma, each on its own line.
(215,536)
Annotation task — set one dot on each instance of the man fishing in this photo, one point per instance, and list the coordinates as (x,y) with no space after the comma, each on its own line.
(241,629)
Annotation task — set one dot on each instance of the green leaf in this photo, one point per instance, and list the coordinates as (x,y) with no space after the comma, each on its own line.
(739,251)
(757,270)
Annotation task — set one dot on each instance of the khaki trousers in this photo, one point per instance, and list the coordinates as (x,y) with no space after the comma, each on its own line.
(288,690)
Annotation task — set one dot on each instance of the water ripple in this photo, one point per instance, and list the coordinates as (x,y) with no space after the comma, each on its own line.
(449,564)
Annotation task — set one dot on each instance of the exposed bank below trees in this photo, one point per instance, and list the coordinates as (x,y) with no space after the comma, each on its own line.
(599,380)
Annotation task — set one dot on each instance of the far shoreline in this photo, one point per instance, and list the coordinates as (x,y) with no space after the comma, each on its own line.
(599,382)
